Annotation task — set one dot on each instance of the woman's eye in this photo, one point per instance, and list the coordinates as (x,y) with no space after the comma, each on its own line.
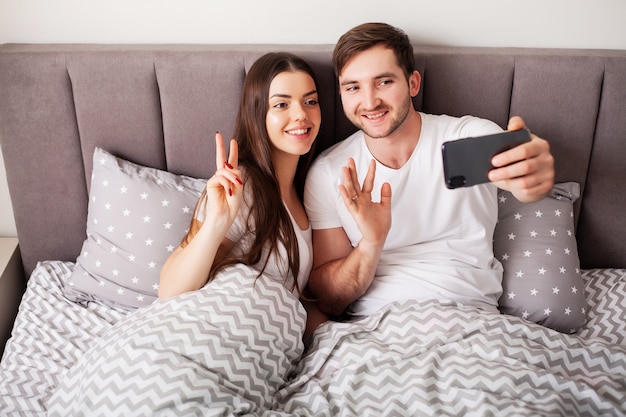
(312,102)
(280,105)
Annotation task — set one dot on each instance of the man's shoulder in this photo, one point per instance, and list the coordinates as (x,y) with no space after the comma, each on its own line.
(461,126)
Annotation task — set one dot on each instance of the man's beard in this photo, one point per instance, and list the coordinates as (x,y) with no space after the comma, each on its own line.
(395,123)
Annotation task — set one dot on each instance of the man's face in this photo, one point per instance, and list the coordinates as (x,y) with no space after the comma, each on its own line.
(375,93)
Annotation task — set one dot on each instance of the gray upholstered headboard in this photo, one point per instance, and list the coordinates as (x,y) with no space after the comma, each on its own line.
(159,105)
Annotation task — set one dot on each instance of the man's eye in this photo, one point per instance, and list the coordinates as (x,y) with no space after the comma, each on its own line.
(351,89)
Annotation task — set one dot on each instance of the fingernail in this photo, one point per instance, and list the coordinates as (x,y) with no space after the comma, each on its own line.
(239,181)
(229,166)
(230,192)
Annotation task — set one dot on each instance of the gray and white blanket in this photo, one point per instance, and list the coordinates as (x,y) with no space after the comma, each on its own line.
(220,351)
(444,359)
(229,351)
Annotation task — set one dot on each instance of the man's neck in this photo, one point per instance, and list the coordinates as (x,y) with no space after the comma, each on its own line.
(395,150)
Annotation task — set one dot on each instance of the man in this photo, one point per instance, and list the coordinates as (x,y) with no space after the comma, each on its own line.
(400,233)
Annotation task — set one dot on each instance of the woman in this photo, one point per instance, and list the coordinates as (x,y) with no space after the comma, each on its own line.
(228,347)
(237,218)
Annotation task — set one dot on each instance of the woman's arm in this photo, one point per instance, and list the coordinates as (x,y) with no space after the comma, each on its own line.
(188,267)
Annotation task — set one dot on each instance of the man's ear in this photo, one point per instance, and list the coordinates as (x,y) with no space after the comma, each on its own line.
(415,82)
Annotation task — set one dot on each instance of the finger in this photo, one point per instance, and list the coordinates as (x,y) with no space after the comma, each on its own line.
(519,153)
(516,123)
(524,174)
(508,157)
(349,200)
(368,182)
(220,160)
(540,189)
(350,178)
(505,159)
(228,178)
(354,178)
(232,175)
(536,148)
(233,155)
(385,194)
(220,180)
(346,196)
(509,173)
(348,181)
(513,164)
(220,151)
(524,190)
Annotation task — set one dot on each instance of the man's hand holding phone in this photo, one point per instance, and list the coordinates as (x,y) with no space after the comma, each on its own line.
(514,160)
(527,170)
(467,161)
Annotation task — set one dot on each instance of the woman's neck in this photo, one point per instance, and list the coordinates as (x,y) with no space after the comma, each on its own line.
(285,167)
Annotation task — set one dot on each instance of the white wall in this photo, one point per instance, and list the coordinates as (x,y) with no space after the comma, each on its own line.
(532,23)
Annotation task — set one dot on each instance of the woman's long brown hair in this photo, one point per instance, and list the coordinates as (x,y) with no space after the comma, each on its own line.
(269,219)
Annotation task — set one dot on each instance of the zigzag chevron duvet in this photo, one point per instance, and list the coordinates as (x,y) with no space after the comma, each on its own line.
(211,353)
(436,359)
(222,350)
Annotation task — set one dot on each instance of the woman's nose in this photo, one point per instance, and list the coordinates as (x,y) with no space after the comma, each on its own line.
(298,112)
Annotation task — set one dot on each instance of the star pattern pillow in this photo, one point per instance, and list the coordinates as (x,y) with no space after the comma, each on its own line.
(536,245)
(136,217)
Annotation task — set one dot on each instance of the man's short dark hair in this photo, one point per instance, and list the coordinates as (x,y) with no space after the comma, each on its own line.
(367,35)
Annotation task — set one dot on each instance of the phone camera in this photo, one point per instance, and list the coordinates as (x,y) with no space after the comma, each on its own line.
(457,181)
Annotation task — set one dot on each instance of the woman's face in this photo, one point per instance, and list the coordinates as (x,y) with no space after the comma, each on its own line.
(293,118)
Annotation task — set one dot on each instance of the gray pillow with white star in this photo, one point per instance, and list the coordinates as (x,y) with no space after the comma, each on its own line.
(136,217)
(536,245)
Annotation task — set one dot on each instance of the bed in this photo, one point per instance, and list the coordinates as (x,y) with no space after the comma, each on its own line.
(106,148)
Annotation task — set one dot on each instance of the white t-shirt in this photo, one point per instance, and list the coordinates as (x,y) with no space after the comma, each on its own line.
(277,266)
(440,245)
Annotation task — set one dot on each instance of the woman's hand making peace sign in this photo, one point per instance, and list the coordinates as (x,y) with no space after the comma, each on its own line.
(224,190)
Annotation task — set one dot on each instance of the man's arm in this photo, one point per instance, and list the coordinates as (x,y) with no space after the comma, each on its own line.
(341,274)
(527,170)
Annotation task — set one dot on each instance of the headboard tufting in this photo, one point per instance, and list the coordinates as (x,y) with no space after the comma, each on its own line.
(159,105)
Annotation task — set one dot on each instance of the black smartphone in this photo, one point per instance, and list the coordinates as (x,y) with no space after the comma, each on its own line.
(467,161)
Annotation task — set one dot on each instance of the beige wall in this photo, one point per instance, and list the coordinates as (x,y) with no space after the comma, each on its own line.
(532,23)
